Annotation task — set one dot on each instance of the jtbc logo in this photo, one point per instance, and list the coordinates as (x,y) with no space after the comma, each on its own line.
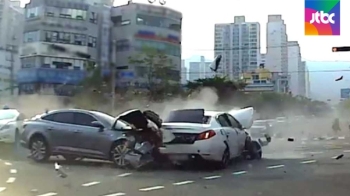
(322,18)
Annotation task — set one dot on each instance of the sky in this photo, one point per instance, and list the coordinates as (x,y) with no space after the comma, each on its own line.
(199,17)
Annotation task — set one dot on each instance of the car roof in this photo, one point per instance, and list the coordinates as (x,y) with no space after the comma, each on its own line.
(213,113)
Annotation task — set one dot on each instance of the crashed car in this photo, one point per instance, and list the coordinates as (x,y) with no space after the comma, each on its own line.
(10,125)
(77,134)
(201,135)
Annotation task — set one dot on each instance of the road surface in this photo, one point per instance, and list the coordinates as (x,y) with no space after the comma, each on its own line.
(303,167)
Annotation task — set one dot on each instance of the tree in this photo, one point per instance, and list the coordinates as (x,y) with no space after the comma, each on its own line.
(157,71)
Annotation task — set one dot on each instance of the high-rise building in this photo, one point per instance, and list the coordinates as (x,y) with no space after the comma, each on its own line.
(184,72)
(239,45)
(307,82)
(75,25)
(11,26)
(200,69)
(295,68)
(302,79)
(276,45)
(136,26)
(262,59)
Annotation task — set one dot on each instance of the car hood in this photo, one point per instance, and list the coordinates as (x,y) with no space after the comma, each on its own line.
(134,117)
(244,116)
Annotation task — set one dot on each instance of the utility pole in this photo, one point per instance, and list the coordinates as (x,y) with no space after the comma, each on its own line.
(113,73)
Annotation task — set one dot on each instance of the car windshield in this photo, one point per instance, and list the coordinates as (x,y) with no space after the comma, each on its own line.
(8,114)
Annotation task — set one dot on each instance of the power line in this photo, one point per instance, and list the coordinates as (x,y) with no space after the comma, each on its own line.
(248,72)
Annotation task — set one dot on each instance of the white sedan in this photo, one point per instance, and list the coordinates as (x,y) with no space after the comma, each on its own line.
(197,134)
(10,125)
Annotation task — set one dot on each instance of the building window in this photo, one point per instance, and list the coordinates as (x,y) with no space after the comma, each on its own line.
(255,77)
(72,14)
(32,12)
(93,17)
(123,45)
(50,11)
(92,42)
(161,22)
(31,36)
(168,49)
(66,38)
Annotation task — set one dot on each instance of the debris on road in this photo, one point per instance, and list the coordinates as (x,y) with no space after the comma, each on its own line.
(290,139)
(59,171)
(339,156)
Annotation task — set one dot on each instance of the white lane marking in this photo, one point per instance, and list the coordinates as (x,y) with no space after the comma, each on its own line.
(2,189)
(341,138)
(307,162)
(274,166)
(239,172)
(116,194)
(11,180)
(48,194)
(312,153)
(346,151)
(152,188)
(7,163)
(211,177)
(90,184)
(305,139)
(183,183)
(124,175)
(13,171)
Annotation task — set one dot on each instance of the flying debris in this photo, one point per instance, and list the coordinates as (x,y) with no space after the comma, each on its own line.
(340,78)
(339,157)
(216,63)
(161,2)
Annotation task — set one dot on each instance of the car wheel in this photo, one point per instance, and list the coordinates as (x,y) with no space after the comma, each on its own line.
(39,149)
(118,152)
(254,151)
(225,160)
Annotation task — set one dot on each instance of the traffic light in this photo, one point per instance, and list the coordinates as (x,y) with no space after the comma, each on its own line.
(341,49)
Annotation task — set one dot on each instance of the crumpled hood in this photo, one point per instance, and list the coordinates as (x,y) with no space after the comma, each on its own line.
(244,116)
(134,117)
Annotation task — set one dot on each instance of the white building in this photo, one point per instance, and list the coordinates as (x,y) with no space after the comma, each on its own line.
(200,69)
(277,49)
(302,79)
(138,26)
(11,25)
(295,68)
(262,59)
(239,45)
(307,82)
(184,72)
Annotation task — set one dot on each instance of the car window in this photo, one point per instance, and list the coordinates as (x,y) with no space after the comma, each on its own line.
(233,121)
(8,114)
(223,121)
(61,117)
(83,119)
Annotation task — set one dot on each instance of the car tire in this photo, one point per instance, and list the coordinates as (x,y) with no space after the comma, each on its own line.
(254,151)
(118,152)
(39,149)
(225,159)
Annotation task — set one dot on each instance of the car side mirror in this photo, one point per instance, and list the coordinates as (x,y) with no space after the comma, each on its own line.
(98,125)
(240,126)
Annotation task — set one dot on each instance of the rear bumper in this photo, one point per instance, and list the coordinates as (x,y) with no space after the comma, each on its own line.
(210,150)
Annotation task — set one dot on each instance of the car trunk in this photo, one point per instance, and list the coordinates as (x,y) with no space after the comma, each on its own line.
(182,133)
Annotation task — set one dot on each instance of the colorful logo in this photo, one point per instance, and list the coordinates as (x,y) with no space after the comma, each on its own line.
(322,17)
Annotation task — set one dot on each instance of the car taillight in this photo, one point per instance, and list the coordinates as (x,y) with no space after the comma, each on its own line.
(206,135)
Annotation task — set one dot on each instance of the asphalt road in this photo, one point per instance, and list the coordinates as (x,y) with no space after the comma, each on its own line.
(303,167)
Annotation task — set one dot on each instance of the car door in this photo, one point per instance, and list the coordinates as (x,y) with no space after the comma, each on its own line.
(59,129)
(89,139)
(231,135)
(241,135)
